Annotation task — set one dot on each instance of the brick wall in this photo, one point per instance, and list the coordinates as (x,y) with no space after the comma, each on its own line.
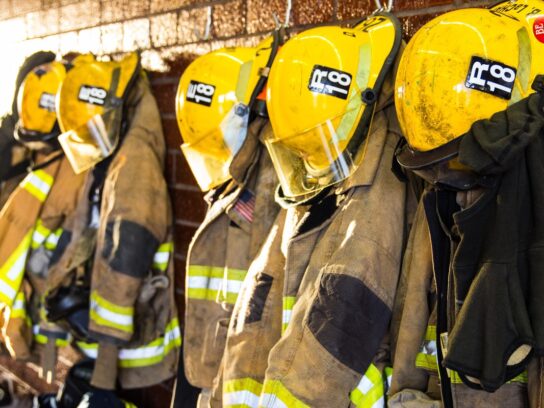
(169,33)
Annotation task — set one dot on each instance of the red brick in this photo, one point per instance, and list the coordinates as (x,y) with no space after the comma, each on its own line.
(419,4)
(169,168)
(112,38)
(19,7)
(164,5)
(188,205)
(14,29)
(183,173)
(136,35)
(69,42)
(353,10)
(260,14)
(42,23)
(171,133)
(5,9)
(90,40)
(312,12)
(229,19)
(116,10)
(190,23)
(182,238)
(164,29)
(80,15)
(165,95)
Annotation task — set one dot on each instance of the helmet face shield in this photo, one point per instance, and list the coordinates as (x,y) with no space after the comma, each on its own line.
(322,92)
(210,157)
(212,109)
(90,108)
(309,167)
(93,141)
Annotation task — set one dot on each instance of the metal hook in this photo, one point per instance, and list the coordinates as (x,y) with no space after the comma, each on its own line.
(381,7)
(207,28)
(287,18)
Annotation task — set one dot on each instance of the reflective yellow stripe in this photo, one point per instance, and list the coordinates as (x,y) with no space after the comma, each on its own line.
(41,337)
(39,235)
(11,273)
(105,313)
(162,256)
(38,183)
(214,283)
(147,355)
(370,392)
(276,395)
(427,357)
(18,309)
(53,239)
(242,392)
(455,379)
(288,304)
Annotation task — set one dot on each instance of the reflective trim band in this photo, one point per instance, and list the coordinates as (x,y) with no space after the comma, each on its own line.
(18,309)
(288,304)
(522,378)
(42,336)
(38,183)
(105,313)
(388,377)
(427,356)
(214,283)
(276,395)
(147,355)
(370,392)
(12,271)
(242,393)
(53,239)
(39,235)
(162,256)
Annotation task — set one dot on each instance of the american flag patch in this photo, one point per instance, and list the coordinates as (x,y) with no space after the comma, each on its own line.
(245,205)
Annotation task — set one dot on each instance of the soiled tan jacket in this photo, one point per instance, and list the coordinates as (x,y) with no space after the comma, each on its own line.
(132,306)
(338,262)
(31,221)
(415,385)
(236,224)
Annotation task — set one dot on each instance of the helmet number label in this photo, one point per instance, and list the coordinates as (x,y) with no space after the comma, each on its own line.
(92,94)
(330,81)
(491,77)
(47,102)
(538,29)
(200,93)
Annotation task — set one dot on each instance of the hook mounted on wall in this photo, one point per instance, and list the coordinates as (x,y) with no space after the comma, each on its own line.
(287,18)
(203,36)
(381,7)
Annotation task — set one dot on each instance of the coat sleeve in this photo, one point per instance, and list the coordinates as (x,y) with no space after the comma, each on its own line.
(334,352)
(134,221)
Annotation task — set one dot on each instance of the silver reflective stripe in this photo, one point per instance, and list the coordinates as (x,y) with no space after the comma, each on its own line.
(272,401)
(111,316)
(244,397)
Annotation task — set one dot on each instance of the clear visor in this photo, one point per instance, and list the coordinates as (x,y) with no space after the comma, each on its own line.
(210,157)
(92,142)
(318,157)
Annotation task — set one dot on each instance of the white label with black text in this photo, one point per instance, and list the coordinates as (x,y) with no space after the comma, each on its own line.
(200,93)
(47,102)
(330,81)
(491,77)
(92,94)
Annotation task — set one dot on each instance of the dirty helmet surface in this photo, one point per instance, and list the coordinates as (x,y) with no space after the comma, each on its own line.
(215,97)
(36,104)
(322,93)
(461,67)
(90,108)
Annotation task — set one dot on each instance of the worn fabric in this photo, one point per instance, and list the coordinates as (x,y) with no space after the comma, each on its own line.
(124,242)
(239,216)
(30,225)
(338,256)
(418,377)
